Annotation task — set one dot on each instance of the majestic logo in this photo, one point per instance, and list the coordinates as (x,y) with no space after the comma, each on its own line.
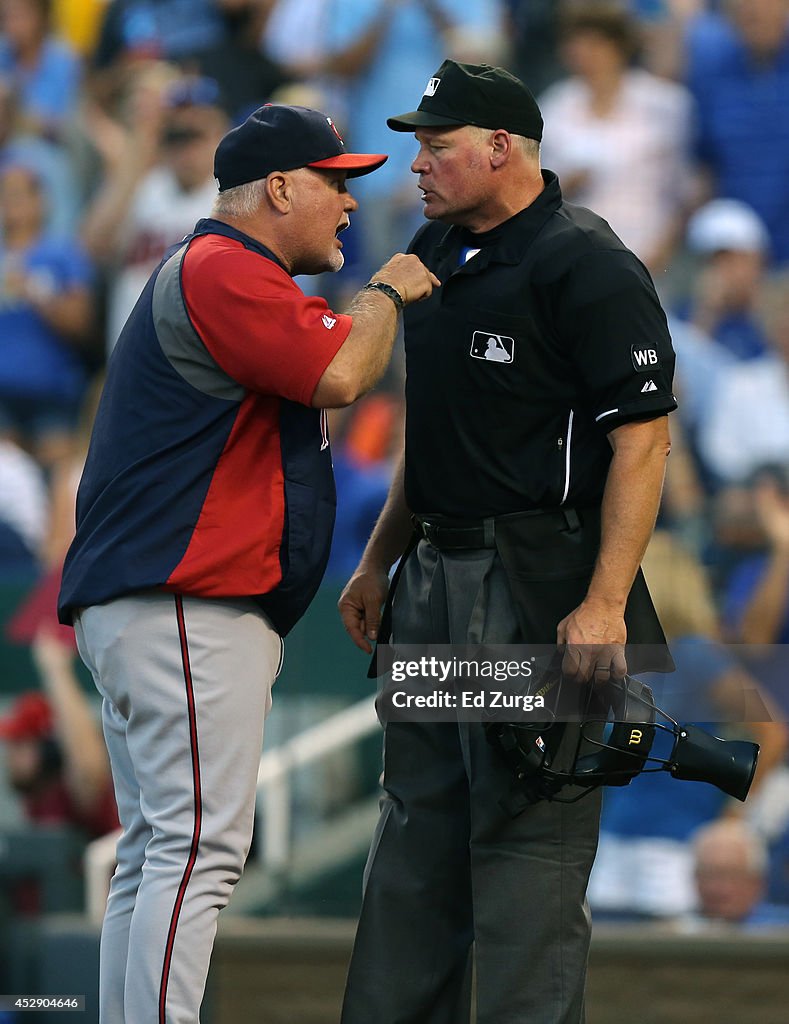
(495,348)
(432,85)
(649,386)
(644,358)
(328,321)
(334,129)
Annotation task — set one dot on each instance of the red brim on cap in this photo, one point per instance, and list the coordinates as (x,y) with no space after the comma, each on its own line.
(354,164)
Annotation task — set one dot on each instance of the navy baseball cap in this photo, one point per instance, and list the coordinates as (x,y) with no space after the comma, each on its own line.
(477,94)
(277,137)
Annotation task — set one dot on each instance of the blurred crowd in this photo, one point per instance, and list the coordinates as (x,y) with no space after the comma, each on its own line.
(667,117)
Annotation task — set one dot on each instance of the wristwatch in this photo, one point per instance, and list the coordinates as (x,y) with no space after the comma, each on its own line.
(387,289)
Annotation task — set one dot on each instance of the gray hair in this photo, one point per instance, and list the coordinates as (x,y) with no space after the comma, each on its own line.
(530,148)
(737,834)
(241,201)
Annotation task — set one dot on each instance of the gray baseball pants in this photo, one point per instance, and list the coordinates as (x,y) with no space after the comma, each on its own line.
(449,868)
(186,684)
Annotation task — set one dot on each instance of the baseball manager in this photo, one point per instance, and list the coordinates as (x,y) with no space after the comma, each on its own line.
(204,518)
(538,383)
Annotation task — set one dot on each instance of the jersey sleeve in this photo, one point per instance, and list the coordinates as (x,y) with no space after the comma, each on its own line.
(257,323)
(618,338)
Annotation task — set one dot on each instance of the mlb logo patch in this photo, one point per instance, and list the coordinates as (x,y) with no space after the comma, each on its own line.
(496,348)
(432,85)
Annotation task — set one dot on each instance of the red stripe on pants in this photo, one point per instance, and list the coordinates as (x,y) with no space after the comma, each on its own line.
(179,899)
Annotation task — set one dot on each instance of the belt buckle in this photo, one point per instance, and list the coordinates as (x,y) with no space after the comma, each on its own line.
(421,526)
(429,531)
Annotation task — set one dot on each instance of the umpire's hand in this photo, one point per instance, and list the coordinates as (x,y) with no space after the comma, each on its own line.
(361,602)
(593,637)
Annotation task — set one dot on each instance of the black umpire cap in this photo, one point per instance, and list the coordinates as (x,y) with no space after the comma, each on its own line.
(278,137)
(477,94)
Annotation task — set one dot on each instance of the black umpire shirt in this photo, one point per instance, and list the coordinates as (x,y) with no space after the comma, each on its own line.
(545,335)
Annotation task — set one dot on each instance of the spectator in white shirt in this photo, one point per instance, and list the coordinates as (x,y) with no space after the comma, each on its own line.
(618,136)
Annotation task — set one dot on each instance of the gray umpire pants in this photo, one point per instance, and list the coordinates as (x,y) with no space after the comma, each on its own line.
(448,868)
(186,684)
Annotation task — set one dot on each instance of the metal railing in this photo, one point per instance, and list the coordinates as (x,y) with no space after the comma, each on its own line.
(99,863)
(275,784)
(274,797)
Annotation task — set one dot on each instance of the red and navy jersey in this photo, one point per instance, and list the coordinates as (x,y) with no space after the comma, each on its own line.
(208,472)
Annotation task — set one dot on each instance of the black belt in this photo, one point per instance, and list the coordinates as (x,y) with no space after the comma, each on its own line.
(463,534)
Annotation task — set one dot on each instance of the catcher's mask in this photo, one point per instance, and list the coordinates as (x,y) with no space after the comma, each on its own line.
(614,743)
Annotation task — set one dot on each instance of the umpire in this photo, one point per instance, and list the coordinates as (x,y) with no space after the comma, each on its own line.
(204,518)
(538,383)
